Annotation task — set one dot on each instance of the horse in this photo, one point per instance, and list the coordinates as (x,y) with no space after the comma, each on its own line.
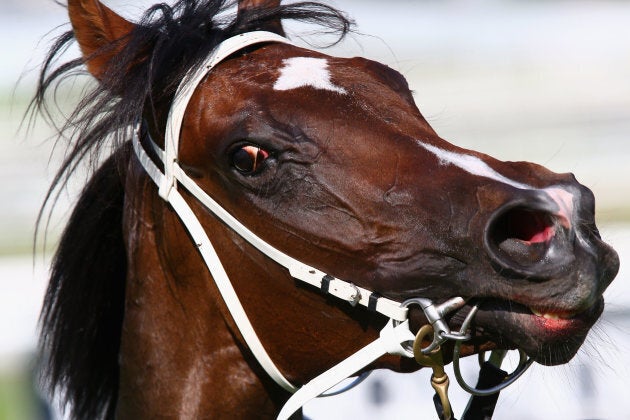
(265,220)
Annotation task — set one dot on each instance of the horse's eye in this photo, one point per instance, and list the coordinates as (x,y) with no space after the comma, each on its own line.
(249,159)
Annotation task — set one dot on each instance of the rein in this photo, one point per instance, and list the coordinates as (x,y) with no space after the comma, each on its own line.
(395,338)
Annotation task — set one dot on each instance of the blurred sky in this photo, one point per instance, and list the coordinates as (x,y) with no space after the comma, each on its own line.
(546,81)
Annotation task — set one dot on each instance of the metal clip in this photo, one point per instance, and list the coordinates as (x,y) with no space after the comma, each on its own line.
(435,316)
(434,360)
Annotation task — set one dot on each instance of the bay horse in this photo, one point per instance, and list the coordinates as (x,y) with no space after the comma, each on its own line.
(271,220)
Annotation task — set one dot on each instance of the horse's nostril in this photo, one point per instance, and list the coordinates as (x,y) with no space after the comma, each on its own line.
(528,226)
(520,239)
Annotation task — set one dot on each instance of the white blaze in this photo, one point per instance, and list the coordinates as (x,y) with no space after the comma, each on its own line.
(473,165)
(306,71)
(564,200)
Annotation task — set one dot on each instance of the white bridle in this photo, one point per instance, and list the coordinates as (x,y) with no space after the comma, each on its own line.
(394,336)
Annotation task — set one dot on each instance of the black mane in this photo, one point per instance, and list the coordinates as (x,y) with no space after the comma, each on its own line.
(83,308)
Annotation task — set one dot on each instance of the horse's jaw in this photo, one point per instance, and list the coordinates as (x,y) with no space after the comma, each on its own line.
(549,338)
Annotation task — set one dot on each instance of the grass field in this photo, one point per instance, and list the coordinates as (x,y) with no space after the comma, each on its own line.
(17,400)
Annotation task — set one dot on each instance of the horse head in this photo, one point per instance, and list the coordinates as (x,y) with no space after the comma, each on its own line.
(328,160)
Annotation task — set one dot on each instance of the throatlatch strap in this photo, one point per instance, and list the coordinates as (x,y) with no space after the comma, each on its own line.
(221,279)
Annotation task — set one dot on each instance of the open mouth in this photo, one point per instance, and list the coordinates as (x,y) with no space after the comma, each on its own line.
(549,337)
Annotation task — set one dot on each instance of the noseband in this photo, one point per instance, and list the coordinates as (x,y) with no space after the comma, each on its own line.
(395,338)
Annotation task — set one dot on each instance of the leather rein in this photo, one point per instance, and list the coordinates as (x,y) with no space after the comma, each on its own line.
(395,338)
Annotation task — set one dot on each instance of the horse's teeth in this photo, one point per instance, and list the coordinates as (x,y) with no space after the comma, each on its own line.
(551,315)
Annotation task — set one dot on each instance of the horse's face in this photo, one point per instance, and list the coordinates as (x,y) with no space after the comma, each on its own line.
(329,160)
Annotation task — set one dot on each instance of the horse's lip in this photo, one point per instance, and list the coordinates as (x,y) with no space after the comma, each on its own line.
(500,305)
(549,337)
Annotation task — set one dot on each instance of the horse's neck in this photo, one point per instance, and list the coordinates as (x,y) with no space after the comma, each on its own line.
(180,350)
(178,356)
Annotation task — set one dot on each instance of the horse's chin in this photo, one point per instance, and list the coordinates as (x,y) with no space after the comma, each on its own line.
(548,338)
